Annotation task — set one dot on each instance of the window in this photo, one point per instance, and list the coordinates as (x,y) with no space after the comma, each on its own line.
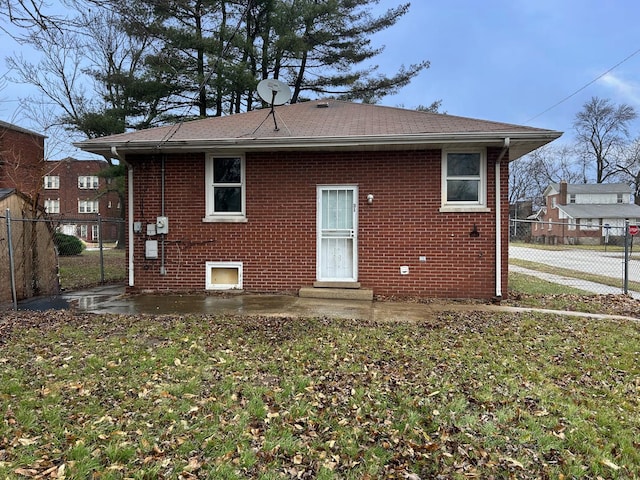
(94,233)
(52,206)
(51,182)
(223,275)
(572,198)
(86,182)
(619,199)
(554,202)
(463,180)
(83,231)
(225,189)
(87,206)
(589,224)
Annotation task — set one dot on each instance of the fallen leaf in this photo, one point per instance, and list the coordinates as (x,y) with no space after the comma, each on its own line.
(26,472)
(610,464)
(513,463)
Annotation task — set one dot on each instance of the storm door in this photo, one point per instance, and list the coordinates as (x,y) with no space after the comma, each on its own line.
(337,233)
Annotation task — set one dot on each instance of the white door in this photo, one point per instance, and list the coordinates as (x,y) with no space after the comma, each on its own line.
(337,245)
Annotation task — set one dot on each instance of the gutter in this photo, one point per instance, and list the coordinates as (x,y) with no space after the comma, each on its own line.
(505,149)
(114,152)
(327,142)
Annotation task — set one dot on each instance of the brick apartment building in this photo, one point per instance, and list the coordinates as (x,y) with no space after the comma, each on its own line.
(21,160)
(32,255)
(74,194)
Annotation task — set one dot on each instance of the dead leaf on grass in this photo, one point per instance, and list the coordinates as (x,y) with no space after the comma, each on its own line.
(610,464)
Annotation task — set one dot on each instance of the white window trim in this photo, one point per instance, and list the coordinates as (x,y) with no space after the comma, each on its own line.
(88,182)
(223,286)
(52,205)
(481,204)
(53,180)
(83,206)
(210,215)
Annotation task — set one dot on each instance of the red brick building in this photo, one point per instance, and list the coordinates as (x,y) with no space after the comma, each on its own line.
(587,214)
(340,196)
(74,194)
(21,160)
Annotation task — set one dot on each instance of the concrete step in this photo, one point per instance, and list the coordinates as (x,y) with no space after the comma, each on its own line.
(336,284)
(337,293)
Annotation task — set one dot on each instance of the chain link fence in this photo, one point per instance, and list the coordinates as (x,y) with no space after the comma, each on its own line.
(40,255)
(589,256)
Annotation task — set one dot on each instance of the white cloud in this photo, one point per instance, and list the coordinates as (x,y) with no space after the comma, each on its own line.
(628,91)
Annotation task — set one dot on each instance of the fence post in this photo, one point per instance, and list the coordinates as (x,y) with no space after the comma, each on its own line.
(12,272)
(626,257)
(101,249)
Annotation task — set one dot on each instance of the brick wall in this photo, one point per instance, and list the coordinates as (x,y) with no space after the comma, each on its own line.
(278,242)
(21,160)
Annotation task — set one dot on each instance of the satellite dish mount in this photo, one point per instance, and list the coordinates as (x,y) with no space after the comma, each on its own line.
(274,92)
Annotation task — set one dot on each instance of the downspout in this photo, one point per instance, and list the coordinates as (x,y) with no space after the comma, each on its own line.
(114,152)
(504,150)
(163,269)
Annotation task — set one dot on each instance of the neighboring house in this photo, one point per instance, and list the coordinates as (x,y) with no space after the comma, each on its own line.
(21,159)
(584,213)
(35,264)
(73,194)
(339,197)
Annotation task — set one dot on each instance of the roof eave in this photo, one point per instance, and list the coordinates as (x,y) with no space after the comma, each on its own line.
(521,143)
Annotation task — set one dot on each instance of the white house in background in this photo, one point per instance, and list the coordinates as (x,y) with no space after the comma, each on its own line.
(584,213)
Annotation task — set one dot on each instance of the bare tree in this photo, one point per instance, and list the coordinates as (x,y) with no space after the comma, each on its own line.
(33,15)
(602,132)
(530,175)
(629,167)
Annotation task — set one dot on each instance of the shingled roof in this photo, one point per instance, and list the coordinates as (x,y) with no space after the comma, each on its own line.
(324,125)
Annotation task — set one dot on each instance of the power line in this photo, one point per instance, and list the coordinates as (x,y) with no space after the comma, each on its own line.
(584,86)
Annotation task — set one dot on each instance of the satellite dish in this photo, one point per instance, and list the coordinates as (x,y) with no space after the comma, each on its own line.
(274,92)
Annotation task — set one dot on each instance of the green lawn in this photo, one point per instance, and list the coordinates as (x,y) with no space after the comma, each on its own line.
(478,395)
(80,271)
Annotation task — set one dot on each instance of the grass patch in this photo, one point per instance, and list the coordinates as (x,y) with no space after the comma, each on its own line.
(529,291)
(520,283)
(475,394)
(591,277)
(80,271)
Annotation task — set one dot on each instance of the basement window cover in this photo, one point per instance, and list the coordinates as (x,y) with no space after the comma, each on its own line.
(223,275)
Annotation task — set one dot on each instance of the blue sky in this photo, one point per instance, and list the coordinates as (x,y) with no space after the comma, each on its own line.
(502,60)
(510,60)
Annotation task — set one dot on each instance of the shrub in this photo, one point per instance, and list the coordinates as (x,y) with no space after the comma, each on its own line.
(67,244)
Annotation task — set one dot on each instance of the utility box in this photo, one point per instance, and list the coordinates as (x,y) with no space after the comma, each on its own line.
(151,249)
(162,225)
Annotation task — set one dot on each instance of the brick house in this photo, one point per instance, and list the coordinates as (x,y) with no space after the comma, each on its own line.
(338,198)
(21,159)
(586,214)
(73,194)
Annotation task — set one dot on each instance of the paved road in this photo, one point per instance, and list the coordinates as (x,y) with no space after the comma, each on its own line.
(610,264)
